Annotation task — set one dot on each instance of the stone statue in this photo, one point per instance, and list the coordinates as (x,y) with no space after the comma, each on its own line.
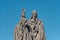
(32,29)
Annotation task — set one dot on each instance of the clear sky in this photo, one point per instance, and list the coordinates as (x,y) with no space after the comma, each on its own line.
(48,11)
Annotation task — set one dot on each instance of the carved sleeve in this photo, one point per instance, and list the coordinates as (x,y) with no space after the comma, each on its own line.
(42,31)
(15,35)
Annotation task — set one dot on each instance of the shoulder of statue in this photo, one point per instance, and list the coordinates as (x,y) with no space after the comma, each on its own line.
(23,20)
(29,21)
(40,22)
(17,26)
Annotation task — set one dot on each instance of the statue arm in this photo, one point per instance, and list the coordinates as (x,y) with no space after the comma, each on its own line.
(15,35)
(42,31)
(16,32)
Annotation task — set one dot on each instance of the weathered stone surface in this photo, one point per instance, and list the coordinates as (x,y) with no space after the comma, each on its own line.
(32,29)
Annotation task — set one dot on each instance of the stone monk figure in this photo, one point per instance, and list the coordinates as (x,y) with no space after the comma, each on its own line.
(32,29)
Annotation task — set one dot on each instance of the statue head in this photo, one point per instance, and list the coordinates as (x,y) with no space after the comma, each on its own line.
(23,12)
(34,14)
(23,18)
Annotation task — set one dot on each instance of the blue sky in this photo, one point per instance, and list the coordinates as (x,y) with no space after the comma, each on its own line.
(48,11)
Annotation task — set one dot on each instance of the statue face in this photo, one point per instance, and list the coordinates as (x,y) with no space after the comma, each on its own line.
(34,14)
